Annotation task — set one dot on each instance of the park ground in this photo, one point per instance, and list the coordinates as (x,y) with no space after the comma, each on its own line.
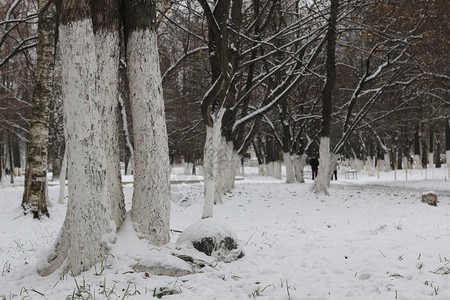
(371,238)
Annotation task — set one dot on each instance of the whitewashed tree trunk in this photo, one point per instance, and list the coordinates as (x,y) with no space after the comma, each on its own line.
(447,159)
(62,179)
(150,211)
(324,174)
(360,165)
(88,228)
(299,166)
(288,163)
(289,166)
(222,170)
(211,164)
(261,170)
(418,162)
(188,168)
(269,169)
(380,165)
(430,159)
(107,93)
(279,164)
(405,163)
(387,162)
(228,166)
(200,170)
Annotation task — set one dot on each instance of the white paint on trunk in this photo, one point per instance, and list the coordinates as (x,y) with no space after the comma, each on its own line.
(188,168)
(431,160)
(299,166)
(150,211)
(278,169)
(261,170)
(108,54)
(211,163)
(404,163)
(324,174)
(417,161)
(447,159)
(387,162)
(200,170)
(87,230)
(380,165)
(269,168)
(289,167)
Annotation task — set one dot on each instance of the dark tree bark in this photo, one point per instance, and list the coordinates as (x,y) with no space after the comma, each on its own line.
(35,194)
(323,177)
(416,141)
(447,135)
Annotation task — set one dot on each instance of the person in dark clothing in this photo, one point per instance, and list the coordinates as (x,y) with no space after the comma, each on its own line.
(314,163)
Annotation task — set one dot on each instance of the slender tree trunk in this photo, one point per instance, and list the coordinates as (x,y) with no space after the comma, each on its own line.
(324,174)
(35,194)
(11,165)
(151,196)
(447,144)
(1,163)
(211,165)
(437,153)
(299,165)
(417,146)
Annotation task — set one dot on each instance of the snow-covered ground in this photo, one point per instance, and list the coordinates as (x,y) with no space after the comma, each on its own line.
(369,239)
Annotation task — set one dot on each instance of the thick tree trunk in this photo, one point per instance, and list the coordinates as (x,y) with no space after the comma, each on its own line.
(151,196)
(88,210)
(35,193)
(289,165)
(89,58)
(324,174)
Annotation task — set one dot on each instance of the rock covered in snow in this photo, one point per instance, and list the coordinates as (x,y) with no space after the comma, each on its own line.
(163,264)
(213,238)
(431,198)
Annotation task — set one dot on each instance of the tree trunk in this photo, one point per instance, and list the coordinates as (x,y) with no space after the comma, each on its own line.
(437,153)
(56,132)
(1,163)
(447,144)
(16,156)
(151,195)
(211,164)
(89,58)
(417,147)
(11,165)
(289,165)
(35,195)
(324,176)
(299,165)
